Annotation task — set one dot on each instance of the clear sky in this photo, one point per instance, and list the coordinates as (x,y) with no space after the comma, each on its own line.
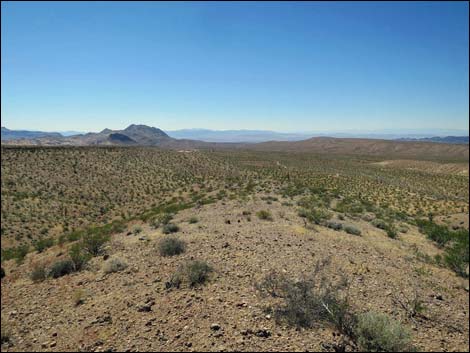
(275,66)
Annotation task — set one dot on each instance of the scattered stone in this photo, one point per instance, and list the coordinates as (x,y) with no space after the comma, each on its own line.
(215,327)
(146,307)
(264,333)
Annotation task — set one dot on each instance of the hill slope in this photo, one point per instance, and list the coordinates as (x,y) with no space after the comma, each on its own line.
(368,147)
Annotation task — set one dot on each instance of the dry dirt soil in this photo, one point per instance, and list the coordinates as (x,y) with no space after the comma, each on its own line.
(132,310)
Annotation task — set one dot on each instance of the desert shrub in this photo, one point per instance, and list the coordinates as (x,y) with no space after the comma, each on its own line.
(137,230)
(43,244)
(79,256)
(456,243)
(170,246)
(246,213)
(165,218)
(78,297)
(114,265)
(265,215)
(313,300)
(61,268)
(403,228)
(441,235)
(379,223)
(94,243)
(193,220)
(334,225)
(170,228)
(38,273)
(391,231)
(2,273)
(456,256)
(302,212)
(352,230)
(193,272)
(18,253)
(197,272)
(318,215)
(379,333)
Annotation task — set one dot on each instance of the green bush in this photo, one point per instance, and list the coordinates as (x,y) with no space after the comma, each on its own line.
(193,272)
(334,225)
(193,220)
(379,223)
(379,333)
(170,246)
(312,300)
(79,256)
(62,268)
(39,273)
(94,243)
(391,231)
(265,215)
(352,230)
(114,265)
(456,256)
(441,235)
(43,244)
(197,272)
(170,228)
(19,253)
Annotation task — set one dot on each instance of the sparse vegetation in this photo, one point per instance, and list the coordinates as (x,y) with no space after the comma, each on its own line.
(114,264)
(264,215)
(170,228)
(350,229)
(312,300)
(38,272)
(379,333)
(43,244)
(170,246)
(62,268)
(193,220)
(195,273)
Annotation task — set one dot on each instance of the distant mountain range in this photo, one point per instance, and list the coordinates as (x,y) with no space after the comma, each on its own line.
(8,134)
(446,139)
(236,135)
(452,147)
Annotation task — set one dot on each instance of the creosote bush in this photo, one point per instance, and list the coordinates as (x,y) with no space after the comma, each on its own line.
(312,300)
(170,228)
(195,273)
(264,215)
(170,246)
(193,220)
(379,333)
(43,244)
(114,265)
(62,268)
(94,243)
(79,256)
(38,273)
(352,230)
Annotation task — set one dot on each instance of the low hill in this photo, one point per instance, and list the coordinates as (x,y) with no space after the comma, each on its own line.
(369,147)
(446,139)
(8,134)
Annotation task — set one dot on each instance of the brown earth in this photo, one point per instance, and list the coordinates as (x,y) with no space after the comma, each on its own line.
(44,317)
(369,147)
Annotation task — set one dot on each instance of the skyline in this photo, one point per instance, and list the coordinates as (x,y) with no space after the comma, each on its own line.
(276,66)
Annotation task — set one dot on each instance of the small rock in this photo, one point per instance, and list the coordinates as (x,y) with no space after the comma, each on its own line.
(215,327)
(264,333)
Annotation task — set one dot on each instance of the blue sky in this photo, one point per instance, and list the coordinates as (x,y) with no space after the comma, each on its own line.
(274,66)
